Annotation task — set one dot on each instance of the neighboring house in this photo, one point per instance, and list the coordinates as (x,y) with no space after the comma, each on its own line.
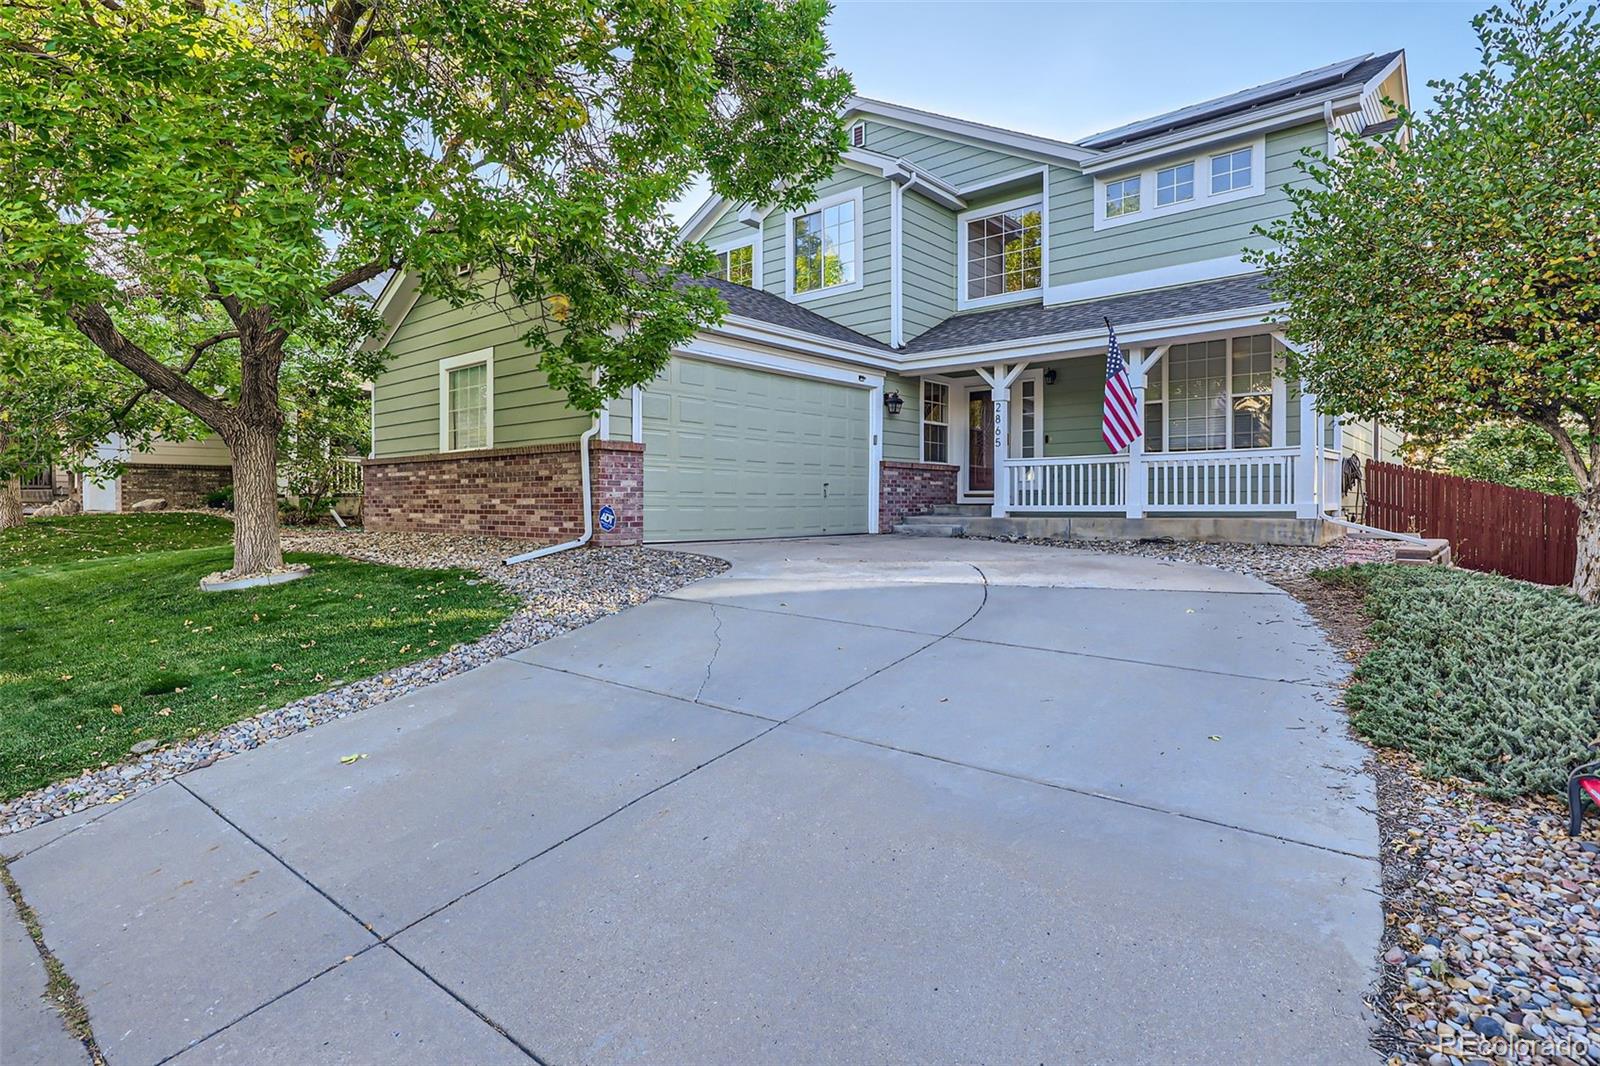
(180,472)
(929,330)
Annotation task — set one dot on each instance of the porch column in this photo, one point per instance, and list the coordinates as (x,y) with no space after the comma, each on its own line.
(1000,378)
(1134,489)
(1310,459)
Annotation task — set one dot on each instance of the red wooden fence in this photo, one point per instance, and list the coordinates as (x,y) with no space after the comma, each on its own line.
(1516,532)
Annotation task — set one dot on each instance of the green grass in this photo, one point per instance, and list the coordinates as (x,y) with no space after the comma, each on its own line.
(48,541)
(98,655)
(1478,676)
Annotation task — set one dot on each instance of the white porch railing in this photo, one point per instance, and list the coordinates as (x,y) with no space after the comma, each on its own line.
(1068,483)
(1254,480)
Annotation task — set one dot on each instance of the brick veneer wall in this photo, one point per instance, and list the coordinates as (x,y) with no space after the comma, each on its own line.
(180,486)
(906,489)
(533,493)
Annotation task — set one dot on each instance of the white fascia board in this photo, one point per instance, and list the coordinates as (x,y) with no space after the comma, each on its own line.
(1231,266)
(1045,149)
(1377,80)
(705,217)
(399,296)
(1085,341)
(1280,116)
(750,329)
(758,357)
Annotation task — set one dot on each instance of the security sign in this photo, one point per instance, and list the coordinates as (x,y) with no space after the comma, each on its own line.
(608,519)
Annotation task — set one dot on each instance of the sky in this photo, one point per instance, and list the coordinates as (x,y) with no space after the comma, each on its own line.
(1066,70)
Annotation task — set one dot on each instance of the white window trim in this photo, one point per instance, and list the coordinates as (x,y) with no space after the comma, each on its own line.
(963,302)
(853,195)
(854,128)
(1203,196)
(922,422)
(1278,392)
(1194,181)
(1036,376)
(456,362)
(753,242)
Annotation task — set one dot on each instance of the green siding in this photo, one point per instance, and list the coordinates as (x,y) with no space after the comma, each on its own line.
(902,433)
(729,228)
(928,258)
(406,395)
(952,161)
(1072,407)
(1079,252)
(866,309)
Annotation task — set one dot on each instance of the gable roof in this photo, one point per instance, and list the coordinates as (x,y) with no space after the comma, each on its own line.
(1350,73)
(756,305)
(1040,320)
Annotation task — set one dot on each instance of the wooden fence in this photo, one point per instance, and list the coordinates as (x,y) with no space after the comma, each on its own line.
(1516,532)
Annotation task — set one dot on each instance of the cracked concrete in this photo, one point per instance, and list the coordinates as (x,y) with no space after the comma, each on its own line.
(861,799)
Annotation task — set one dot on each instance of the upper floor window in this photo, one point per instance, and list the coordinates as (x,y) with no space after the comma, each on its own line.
(1122,197)
(1004,250)
(737,264)
(824,243)
(1174,184)
(1230,171)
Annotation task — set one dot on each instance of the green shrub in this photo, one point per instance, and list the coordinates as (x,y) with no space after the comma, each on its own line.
(1478,676)
(222,498)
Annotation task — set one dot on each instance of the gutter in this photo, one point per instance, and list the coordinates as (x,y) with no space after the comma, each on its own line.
(588,506)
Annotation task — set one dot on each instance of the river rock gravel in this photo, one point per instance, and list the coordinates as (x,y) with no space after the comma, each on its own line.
(1268,561)
(559,593)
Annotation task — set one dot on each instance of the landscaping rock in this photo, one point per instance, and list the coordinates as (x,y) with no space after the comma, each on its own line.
(559,593)
(155,503)
(144,746)
(1270,562)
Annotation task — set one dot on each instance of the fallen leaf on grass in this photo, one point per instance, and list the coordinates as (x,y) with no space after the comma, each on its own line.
(116,708)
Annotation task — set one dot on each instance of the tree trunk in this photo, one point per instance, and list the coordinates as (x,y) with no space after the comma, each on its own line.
(1586,575)
(257,547)
(11,503)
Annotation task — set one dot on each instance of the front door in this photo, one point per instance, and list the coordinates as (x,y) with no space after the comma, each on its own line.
(980,441)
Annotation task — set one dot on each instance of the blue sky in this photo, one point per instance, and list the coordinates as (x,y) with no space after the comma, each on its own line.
(1070,69)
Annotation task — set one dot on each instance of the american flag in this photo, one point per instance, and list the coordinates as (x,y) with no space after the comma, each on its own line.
(1119,422)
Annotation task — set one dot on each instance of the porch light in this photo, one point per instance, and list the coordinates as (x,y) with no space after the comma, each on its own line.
(1050,376)
(892,402)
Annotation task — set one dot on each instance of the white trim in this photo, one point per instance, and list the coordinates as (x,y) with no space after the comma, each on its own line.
(714,352)
(1230,266)
(963,303)
(638,415)
(1197,139)
(896,268)
(1203,196)
(856,142)
(456,362)
(752,241)
(820,206)
(1035,375)
(874,453)
(1045,149)
(922,419)
(983,185)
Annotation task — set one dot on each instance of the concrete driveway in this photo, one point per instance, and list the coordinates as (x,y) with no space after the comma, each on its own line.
(862,799)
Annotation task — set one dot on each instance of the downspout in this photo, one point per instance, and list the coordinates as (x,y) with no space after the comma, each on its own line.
(588,506)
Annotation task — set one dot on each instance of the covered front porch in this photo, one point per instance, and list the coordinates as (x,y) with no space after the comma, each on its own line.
(1226,435)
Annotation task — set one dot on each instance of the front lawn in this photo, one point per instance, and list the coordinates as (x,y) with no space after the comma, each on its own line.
(47,541)
(1478,676)
(97,656)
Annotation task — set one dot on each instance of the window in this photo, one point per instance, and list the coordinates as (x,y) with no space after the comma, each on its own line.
(737,265)
(1230,171)
(466,402)
(1003,251)
(1122,197)
(935,422)
(1252,391)
(1028,417)
(824,246)
(1155,407)
(1213,395)
(1175,184)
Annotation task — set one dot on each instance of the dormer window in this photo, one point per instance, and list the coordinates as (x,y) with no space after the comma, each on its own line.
(1122,197)
(824,246)
(1002,250)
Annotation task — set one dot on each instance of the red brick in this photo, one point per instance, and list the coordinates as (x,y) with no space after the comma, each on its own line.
(906,489)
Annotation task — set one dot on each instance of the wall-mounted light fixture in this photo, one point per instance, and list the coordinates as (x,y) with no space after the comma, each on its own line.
(892,402)
(1050,376)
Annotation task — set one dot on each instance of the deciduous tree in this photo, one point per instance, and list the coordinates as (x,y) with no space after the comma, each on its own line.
(1455,278)
(267,159)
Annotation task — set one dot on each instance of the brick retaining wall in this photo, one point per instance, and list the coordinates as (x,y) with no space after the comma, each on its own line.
(180,486)
(532,493)
(906,489)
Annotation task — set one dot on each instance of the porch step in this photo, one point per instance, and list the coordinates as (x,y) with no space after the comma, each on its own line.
(925,528)
(970,510)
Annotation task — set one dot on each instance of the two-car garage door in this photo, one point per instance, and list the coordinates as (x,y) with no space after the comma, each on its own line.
(732,452)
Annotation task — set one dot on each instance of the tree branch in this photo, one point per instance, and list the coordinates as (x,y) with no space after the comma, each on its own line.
(199,350)
(351,278)
(1584,472)
(94,322)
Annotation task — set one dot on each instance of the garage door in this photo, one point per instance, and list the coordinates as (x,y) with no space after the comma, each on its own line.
(733,453)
